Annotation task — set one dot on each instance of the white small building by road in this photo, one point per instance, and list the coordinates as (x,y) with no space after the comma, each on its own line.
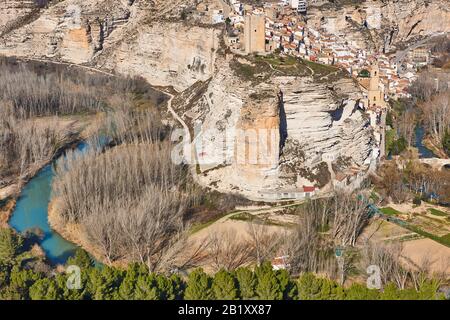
(280,263)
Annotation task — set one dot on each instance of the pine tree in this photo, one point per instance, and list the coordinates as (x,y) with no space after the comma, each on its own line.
(198,286)
(72,294)
(146,287)
(165,287)
(128,286)
(81,259)
(247,283)
(288,287)
(45,289)
(225,286)
(10,245)
(20,280)
(309,287)
(103,283)
(268,286)
(390,292)
(179,286)
(358,291)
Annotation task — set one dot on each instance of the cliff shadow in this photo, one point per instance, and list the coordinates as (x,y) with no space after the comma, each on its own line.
(283,121)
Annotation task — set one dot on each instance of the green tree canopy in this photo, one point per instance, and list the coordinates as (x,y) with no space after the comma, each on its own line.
(11,245)
(45,289)
(247,282)
(225,286)
(199,286)
(268,286)
(81,259)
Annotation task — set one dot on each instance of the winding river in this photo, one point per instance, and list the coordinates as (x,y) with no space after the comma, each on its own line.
(31,213)
(424,152)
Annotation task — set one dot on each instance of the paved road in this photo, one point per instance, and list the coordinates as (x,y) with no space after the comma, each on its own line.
(400,55)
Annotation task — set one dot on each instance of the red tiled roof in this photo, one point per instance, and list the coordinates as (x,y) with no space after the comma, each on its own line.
(308,188)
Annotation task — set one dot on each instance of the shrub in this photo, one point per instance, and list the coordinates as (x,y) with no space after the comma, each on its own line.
(417,201)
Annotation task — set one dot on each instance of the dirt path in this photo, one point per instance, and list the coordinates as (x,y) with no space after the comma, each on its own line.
(71,65)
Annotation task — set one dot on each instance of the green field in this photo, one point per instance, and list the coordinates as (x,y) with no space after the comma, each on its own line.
(436,212)
(390,211)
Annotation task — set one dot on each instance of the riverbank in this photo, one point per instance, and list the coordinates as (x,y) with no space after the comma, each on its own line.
(429,143)
(74,233)
(6,211)
(13,190)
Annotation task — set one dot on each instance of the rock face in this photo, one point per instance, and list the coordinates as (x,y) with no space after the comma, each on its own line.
(323,124)
(280,133)
(167,54)
(71,31)
(131,37)
(15,10)
(389,22)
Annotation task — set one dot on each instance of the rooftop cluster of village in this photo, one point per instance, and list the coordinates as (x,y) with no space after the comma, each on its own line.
(281,26)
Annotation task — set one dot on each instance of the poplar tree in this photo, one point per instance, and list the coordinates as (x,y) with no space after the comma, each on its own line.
(446,142)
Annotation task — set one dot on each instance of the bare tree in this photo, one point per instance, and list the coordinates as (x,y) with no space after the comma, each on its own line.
(26,142)
(437,115)
(390,180)
(388,259)
(264,244)
(406,125)
(229,252)
(351,215)
(130,199)
(306,250)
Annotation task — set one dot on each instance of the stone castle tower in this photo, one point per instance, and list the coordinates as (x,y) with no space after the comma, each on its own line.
(255,33)
(375,94)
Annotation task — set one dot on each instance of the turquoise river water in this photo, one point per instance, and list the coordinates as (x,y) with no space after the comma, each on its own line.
(31,213)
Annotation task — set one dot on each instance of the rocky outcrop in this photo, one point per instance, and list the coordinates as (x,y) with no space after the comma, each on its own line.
(167,54)
(72,31)
(280,133)
(13,12)
(381,24)
(145,38)
(323,124)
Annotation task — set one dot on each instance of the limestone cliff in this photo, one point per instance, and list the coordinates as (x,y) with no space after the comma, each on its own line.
(281,131)
(146,38)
